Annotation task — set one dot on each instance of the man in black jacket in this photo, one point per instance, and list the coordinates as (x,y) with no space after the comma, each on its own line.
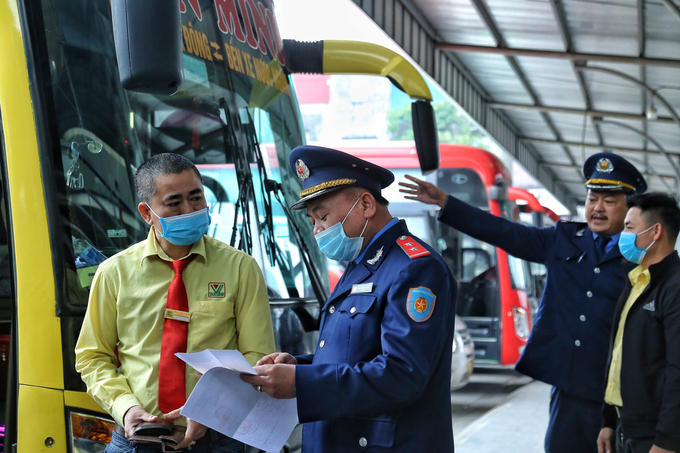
(642,396)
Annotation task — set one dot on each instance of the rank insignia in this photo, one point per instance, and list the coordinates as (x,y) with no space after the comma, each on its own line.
(302,170)
(604,165)
(420,303)
(216,290)
(376,258)
(412,248)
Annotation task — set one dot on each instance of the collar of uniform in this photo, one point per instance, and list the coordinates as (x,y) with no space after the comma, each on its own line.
(153,248)
(637,274)
(387,226)
(385,241)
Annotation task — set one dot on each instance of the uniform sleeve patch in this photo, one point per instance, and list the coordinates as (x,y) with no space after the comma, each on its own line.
(420,303)
(412,248)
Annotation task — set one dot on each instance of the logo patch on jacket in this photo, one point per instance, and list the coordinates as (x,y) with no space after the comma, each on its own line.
(649,306)
(420,303)
(216,289)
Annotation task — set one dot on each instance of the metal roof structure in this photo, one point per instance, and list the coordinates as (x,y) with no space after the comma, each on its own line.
(555,81)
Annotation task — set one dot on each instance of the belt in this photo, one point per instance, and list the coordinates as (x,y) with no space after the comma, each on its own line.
(205,440)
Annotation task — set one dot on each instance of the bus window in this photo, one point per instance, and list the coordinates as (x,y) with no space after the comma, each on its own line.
(238,130)
(518,272)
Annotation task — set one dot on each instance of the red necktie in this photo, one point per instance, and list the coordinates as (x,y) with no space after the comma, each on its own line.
(171,372)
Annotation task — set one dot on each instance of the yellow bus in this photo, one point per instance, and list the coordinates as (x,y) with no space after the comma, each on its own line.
(71,138)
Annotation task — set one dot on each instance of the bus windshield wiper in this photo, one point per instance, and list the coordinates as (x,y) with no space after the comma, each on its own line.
(244,179)
(314,277)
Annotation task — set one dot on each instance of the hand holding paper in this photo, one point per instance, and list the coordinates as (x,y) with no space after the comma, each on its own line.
(223,402)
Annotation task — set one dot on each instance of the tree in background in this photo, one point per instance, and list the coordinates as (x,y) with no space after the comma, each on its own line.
(452,125)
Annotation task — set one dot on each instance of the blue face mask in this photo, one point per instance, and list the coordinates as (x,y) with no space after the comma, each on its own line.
(335,244)
(628,248)
(184,229)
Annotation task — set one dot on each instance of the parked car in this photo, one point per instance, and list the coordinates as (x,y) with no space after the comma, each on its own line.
(462,360)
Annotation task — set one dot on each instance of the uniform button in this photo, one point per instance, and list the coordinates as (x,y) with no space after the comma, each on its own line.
(589,294)
(322,344)
(332,309)
(352,310)
(577,342)
(363,442)
(582,317)
(597,270)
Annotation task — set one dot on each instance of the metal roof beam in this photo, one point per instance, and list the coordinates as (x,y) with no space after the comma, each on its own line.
(493,28)
(563,25)
(673,7)
(408,27)
(575,56)
(580,112)
(593,145)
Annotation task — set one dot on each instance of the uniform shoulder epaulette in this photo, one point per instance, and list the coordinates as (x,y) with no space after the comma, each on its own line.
(411,247)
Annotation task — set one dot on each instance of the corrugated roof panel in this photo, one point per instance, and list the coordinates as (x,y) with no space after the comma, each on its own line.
(603,26)
(500,80)
(662,29)
(552,154)
(526,24)
(530,121)
(612,93)
(571,127)
(456,21)
(555,84)
(608,27)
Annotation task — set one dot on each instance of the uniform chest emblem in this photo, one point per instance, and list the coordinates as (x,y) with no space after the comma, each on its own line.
(216,289)
(420,303)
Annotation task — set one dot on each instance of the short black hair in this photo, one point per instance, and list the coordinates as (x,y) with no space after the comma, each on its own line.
(377,195)
(158,166)
(658,207)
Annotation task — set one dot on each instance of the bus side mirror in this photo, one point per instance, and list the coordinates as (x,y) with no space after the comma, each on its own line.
(499,191)
(425,135)
(148,39)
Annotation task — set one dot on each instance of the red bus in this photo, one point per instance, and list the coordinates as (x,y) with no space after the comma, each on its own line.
(498,293)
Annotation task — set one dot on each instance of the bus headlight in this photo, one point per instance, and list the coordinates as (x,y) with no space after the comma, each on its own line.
(89,433)
(519,316)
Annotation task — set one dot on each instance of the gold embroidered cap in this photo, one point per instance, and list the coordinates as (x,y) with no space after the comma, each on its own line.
(322,170)
(609,172)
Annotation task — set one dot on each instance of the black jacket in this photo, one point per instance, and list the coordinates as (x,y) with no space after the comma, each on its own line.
(650,363)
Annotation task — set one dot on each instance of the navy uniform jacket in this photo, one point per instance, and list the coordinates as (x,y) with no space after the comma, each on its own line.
(569,344)
(379,380)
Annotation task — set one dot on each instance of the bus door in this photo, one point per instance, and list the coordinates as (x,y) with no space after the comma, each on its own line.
(474,263)
(7,310)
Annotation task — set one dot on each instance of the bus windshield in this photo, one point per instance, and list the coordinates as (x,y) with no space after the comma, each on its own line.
(235,116)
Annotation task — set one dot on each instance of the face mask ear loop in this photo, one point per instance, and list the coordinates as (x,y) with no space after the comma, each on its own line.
(160,219)
(350,211)
(365,225)
(147,205)
(643,232)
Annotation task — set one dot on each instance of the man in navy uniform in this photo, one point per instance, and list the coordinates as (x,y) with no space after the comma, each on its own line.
(380,376)
(569,344)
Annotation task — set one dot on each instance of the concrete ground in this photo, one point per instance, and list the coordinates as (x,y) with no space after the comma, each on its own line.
(500,410)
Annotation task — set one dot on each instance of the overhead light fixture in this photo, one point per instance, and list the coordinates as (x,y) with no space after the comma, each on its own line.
(652,114)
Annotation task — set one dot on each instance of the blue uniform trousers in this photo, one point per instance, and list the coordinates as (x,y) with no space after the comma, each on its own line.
(574,424)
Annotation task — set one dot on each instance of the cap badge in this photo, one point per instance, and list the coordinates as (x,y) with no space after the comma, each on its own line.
(604,165)
(302,170)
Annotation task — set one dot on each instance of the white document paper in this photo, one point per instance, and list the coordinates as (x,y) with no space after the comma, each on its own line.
(223,402)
